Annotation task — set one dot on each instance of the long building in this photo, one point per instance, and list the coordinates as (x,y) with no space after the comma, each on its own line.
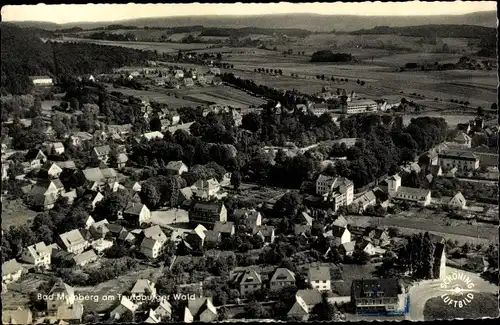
(358,106)
(462,160)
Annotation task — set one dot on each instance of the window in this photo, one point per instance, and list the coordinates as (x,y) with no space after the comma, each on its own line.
(246,286)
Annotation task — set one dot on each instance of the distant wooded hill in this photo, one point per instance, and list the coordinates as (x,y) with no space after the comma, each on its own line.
(312,22)
(443,31)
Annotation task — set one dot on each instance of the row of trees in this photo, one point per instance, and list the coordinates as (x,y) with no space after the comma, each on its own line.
(267,70)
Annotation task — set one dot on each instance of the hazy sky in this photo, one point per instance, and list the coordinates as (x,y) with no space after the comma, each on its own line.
(109,12)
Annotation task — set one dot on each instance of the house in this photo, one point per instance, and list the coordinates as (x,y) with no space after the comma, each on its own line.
(11,271)
(126,306)
(379,237)
(305,219)
(89,222)
(38,254)
(17,316)
(99,229)
(319,278)
(35,158)
(45,193)
(78,138)
(340,222)
(462,160)
(365,200)
(179,74)
(42,80)
(214,71)
(435,170)
(55,147)
(143,288)
(73,241)
(464,127)
(85,258)
(200,309)
(206,189)
(170,216)
(60,295)
(152,135)
(247,281)
(368,248)
(302,230)
(429,158)
(217,81)
(340,235)
(347,248)
(226,229)
(152,318)
(95,199)
(457,202)
(185,127)
(376,295)
(463,140)
(339,190)
(251,218)
(358,106)
(137,213)
(196,238)
(5,170)
(188,82)
(164,310)
(266,233)
(185,194)
(177,167)
(415,195)
(282,277)
(208,213)
(101,153)
(50,171)
(305,300)
(153,243)
(121,160)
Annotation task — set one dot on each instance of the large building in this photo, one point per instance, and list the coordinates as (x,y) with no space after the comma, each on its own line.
(358,106)
(338,190)
(208,214)
(42,80)
(377,296)
(415,195)
(462,160)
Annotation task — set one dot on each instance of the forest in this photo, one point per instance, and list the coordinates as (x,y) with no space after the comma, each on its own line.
(24,55)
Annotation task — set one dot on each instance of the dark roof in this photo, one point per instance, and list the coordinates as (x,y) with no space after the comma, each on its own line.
(208,207)
(389,287)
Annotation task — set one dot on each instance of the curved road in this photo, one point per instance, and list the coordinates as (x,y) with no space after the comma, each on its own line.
(425,290)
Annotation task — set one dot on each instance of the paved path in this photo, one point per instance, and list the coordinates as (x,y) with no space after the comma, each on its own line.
(425,290)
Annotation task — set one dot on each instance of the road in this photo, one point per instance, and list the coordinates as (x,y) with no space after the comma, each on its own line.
(425,290)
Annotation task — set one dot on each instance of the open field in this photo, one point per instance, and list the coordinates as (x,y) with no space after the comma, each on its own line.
(160,47)
(482,305)
(157,96)
(427,221)
(15,213)
(223,95)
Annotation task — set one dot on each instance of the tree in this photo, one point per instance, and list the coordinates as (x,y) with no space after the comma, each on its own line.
(480,111)
(155,124)
(236,180)
(359,256)
(252,121)
(428,249)
(255,310)
(323,311)
(287,205)
(150,195)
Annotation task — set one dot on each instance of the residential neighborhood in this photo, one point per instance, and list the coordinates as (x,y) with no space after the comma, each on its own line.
(187,181)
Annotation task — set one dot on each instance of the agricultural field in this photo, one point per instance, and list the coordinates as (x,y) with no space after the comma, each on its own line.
(223,95)
(156,96)
(160,47)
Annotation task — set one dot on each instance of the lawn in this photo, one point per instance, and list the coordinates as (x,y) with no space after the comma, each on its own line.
(482,305)
(15,213)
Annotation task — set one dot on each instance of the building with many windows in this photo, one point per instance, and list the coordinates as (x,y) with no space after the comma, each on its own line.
(358,106)
(377,296)
(462,160)
(319,278)
(338,190)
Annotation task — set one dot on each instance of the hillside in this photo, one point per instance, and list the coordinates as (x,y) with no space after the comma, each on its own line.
(312,22)
(443,31)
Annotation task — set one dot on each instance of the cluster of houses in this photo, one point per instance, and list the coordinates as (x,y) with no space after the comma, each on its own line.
(177,77)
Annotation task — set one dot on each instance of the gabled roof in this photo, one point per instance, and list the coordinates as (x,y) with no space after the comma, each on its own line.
(248,276)
(62,288)
(310,296)
(199,231)
(128,304)
(266,230)
(212,236)
(108,173)
(349,246)
(307,218)
(38,250)
(156,233)
(340,222)
(413,191)
(224,227)
(34,154)
(102,150)
(459,197)
(282,274)
(301,229)
(93,174)
(318,273)
(337,231)
(66,164)
(71,238)
(199,305)
(153,135)
(135,208)
(462,137)
(143,286)
(208,207)
(10,267)
(210,184)
(85,257)
(149,243)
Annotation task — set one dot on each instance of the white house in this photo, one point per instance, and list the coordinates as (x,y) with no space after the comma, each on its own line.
(457,202)
(38,254)
(396,191)
(154,240)
(319,278)
(143,288)
(138,213)
(73,241)
(11,271)
(125,306)
(177,167)
(340,235)
(340,190)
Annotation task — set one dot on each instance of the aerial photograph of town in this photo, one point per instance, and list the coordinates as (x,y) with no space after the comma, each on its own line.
(249,162)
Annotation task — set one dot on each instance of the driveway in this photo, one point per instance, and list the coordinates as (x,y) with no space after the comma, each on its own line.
(422,291)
